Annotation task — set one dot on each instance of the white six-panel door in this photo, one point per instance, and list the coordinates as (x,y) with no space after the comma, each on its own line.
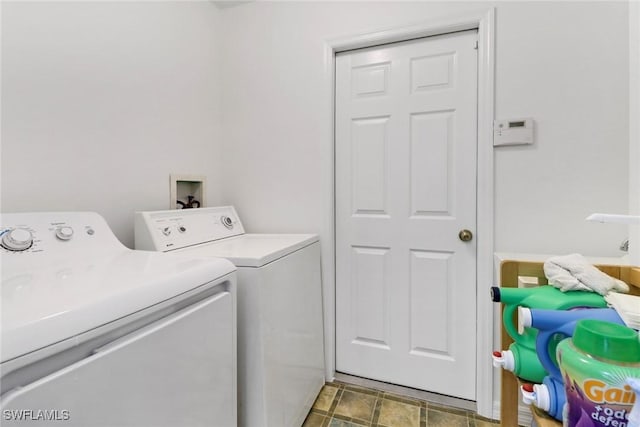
(406,138)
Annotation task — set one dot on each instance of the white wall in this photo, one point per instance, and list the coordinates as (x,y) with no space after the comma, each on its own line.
(564,63)
(568,69)
(634,127)
(102,101)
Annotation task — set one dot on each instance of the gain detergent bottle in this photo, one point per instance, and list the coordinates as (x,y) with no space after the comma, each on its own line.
(596,365)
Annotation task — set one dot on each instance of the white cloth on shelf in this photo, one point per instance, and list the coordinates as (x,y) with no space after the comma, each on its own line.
(574,273)
(627,307)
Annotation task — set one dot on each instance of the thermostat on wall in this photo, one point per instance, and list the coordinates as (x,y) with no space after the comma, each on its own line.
(513,132)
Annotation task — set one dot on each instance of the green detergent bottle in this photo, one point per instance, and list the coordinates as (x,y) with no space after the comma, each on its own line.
(522,361)
(546,297)
(596,365)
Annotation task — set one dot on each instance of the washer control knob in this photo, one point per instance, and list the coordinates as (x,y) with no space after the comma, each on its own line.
(166,231)
(18,239)
(226,221)
(64,232)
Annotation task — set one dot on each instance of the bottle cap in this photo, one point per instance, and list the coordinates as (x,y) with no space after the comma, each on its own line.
(524,318)
(528,395)
(607,340)
(495,294)
(543,399)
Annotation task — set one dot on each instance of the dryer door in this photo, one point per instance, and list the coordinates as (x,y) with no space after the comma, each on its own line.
(177,371)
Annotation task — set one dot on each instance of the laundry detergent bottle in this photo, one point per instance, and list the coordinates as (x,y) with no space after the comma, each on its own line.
(522,360)
(548,396)
(521,357)
(555,325)
(545,297)
(596,365)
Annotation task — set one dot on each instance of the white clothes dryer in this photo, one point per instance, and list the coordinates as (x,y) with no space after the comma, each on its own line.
(96,334)
(280,326)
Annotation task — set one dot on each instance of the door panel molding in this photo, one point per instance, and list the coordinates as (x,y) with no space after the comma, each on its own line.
(376,169)
(484,21)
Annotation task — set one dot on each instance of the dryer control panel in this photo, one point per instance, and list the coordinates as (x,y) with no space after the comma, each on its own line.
(175,229)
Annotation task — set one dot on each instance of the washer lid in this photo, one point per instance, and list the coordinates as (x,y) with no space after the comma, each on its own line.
(252,250)
(44,302)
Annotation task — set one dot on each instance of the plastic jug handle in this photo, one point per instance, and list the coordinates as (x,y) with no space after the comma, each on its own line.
(542,348)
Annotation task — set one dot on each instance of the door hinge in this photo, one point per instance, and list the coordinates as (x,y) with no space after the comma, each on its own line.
(476,45)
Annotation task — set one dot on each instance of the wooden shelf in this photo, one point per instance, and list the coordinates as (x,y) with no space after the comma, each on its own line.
(544,420)
(509,272)
(634,277)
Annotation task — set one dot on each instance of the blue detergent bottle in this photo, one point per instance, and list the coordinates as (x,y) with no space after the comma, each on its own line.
(553,326)
(548,396)
(552,323)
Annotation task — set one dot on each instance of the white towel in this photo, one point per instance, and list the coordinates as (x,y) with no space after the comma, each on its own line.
(574,273)
(627,307)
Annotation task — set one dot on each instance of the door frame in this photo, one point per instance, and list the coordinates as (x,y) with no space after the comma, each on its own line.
(484,21)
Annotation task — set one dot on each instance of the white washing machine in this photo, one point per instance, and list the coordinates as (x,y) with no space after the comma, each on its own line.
(280,332)
(95,334)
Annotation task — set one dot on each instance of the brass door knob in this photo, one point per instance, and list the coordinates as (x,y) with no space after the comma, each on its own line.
(465,235)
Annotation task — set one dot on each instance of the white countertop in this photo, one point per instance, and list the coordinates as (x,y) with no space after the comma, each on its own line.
(513,256)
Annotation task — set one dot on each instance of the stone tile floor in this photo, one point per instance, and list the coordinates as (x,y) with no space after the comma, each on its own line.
(345,405)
